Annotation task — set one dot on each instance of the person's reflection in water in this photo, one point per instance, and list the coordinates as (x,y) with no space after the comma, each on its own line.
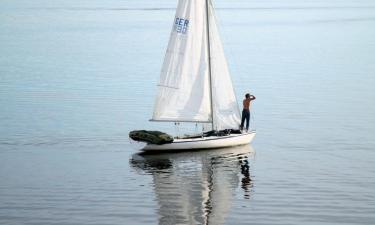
(246,180)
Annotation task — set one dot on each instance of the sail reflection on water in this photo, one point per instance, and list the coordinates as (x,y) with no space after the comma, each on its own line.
(196,187)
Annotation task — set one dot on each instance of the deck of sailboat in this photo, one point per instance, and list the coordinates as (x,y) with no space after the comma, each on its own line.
(204,142)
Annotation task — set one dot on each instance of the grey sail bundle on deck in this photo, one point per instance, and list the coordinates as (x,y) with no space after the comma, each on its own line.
(151,137)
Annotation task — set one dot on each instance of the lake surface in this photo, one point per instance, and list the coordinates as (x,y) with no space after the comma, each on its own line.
(77,76)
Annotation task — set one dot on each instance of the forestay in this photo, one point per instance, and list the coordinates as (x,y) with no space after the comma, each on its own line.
(184,88)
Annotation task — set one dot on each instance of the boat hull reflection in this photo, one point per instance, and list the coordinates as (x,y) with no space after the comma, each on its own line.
(196,187)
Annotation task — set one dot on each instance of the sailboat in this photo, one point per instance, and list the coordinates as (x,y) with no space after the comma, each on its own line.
(195,84)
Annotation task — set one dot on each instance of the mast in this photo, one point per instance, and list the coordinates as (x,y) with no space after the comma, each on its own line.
(209,62)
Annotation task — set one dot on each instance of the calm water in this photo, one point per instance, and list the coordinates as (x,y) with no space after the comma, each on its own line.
(77,76)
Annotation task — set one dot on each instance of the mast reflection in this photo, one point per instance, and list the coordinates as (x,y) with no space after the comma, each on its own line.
(196,187)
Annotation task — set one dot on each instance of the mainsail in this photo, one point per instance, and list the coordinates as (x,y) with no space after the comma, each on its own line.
(187,81)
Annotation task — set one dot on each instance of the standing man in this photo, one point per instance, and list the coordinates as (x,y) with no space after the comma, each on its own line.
(246,110)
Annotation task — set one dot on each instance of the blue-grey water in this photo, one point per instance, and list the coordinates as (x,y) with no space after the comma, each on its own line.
(77,76)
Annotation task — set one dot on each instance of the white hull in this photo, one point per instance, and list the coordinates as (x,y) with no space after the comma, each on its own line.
(204,143)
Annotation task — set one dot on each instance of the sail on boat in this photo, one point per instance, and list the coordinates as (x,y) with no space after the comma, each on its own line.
(195,84)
